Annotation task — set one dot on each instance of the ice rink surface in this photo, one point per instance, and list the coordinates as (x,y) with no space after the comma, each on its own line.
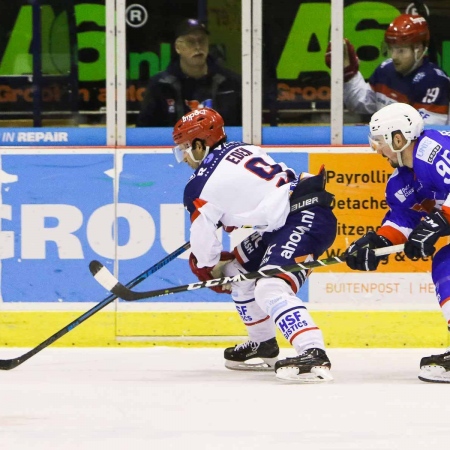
(181,398)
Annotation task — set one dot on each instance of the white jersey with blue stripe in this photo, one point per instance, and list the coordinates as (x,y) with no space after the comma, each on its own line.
(237,185)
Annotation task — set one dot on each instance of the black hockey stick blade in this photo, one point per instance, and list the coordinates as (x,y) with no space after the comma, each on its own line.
(112,284)
(8,364)
(108,281)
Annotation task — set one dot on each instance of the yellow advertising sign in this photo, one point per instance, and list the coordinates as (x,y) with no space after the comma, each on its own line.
(358,182)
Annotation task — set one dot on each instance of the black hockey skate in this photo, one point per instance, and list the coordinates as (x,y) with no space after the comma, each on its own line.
(435,368)
(312,366)
(236,357)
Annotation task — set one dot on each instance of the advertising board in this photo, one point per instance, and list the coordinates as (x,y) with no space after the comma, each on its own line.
(62,207)
(358,182)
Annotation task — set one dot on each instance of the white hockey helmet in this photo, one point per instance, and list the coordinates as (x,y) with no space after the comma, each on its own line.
(392,118)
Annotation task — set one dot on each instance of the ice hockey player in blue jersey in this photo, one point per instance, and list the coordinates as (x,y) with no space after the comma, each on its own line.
(418,196)
(407,76)
(235,185)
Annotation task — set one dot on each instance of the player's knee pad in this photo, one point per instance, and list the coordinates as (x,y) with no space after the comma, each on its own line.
(288,313)
(440,273)
(273,294)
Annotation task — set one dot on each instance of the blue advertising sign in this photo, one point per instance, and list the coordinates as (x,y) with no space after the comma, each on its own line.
(52,213)
(58,212)
(52,136)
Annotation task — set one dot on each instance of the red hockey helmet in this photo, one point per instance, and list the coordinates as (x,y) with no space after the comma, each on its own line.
(205,124)
(408,29)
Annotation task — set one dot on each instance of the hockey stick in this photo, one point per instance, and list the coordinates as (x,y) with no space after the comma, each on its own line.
(109,282)
(8,364)
(422,11)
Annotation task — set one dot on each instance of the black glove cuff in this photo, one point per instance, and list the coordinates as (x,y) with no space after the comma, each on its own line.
(438,219)
(385,242)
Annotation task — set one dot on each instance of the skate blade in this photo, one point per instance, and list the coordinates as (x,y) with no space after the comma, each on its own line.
(434,374)
(266,365)
(318,374)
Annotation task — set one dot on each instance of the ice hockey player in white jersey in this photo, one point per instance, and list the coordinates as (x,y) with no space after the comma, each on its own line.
(235,185)
(407,76)
(418,196)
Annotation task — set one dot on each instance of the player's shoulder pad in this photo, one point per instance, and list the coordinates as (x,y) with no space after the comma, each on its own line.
(386,63)
(427,150)
(399,186)
(440,72)
(429,74)
(382,72)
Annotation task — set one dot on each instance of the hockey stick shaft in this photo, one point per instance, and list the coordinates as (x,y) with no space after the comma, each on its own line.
(109,282)
(7,364)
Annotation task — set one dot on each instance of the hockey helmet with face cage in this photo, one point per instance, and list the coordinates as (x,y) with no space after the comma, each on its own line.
(407,29)
(391,119)
(205,124)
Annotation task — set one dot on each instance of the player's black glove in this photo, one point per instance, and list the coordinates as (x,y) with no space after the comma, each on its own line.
(422,239)
(361,256)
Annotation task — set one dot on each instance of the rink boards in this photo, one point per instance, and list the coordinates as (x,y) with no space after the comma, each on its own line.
(58,209)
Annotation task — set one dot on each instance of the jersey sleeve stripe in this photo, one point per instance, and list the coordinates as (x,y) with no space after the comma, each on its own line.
(391,93)
(446,212)
(394,236)
(439,109)
(198,203)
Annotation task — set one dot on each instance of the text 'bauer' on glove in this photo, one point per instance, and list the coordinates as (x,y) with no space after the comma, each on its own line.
(210,273)
(351,60)
(360,254)
(422,239)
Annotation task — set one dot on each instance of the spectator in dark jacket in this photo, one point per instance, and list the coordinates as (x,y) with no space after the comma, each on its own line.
(192,80)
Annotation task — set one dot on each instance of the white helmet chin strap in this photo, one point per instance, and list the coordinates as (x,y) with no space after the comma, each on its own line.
(399,152)
(189,152)
(399,159)
(417,59)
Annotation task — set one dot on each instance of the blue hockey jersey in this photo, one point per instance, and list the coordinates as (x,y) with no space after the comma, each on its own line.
(412,193)
(426,88)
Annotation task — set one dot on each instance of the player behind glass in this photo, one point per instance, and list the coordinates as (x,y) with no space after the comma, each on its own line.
(236,184)
(407,76)
(418,196)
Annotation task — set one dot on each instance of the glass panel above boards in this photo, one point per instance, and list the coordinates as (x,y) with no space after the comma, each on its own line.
(182,56)
(296,72)
(52,63)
